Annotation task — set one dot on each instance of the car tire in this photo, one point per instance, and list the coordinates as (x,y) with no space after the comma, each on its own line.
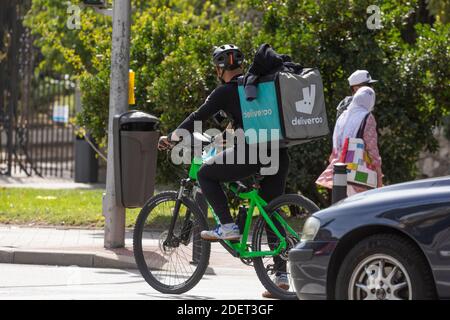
(365,271)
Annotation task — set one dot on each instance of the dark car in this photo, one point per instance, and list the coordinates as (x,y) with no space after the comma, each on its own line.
(388,243)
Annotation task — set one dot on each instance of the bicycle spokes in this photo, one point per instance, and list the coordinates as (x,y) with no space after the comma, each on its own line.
(170,245)
(286,219)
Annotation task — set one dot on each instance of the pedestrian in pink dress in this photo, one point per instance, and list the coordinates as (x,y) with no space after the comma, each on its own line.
(347,126)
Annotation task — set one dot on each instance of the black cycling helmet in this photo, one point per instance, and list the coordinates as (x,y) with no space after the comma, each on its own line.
(228,57)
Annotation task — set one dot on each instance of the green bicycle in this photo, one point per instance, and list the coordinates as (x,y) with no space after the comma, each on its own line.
(173,258)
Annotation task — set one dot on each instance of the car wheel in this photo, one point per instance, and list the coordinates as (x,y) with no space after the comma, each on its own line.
(384,267)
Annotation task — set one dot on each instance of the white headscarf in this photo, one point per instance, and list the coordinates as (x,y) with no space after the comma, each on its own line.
(349,122)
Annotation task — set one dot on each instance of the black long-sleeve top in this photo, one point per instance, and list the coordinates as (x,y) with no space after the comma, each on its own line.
(226,98)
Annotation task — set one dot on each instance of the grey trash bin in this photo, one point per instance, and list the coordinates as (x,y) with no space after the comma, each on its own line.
(135,141)
(86,162)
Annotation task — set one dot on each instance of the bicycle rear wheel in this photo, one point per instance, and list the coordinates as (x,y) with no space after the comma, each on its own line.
(177,265)
(294,209)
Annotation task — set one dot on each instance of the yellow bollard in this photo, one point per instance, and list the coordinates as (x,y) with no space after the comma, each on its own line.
(131,98)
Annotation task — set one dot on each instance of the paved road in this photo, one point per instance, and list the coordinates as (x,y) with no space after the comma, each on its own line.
(47,282)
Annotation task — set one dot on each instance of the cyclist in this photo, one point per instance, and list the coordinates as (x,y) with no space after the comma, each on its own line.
(228,60)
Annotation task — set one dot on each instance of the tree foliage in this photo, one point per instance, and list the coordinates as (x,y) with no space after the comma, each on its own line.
(441,9)
(71,51)
(172,41)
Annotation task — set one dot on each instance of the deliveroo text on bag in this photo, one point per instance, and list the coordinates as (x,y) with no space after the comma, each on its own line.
(260,116)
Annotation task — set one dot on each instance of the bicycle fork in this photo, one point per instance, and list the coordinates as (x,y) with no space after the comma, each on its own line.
(186,227)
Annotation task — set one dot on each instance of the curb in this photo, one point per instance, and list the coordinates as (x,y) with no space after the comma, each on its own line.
(62,258)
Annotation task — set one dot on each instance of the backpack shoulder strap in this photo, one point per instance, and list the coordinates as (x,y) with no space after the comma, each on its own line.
(239,80)
(362,127)
(305,71)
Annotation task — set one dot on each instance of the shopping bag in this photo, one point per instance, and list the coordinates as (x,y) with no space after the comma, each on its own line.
(359,171)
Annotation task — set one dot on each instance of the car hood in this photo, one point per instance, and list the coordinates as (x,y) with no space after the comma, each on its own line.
(399,195)
(412,185)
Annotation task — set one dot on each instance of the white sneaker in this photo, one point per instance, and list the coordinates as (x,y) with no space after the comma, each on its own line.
(228,231)
(282,280)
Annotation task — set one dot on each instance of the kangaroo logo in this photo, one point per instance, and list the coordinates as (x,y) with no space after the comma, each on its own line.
(307,104)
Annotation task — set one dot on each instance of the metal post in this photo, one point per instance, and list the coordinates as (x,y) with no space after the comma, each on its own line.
(339,182)
(196,240)
(13,87)
(118,103)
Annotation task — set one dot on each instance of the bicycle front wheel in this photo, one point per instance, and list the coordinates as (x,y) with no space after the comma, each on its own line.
(273,271)
(171,264)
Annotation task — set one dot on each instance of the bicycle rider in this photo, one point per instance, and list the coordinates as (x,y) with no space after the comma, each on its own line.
(228,61)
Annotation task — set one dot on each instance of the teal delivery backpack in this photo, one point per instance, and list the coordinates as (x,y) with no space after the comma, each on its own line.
(260,117)
(289,107)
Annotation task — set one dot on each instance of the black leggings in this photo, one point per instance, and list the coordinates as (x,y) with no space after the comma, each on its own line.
(212,174)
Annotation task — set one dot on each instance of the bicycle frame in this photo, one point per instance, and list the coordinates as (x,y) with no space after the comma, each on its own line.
(241,249)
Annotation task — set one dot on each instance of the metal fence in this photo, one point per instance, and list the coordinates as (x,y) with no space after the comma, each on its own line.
(36,135)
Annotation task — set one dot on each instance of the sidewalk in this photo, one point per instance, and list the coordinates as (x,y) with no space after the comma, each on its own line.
(47,183)
(81,247)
